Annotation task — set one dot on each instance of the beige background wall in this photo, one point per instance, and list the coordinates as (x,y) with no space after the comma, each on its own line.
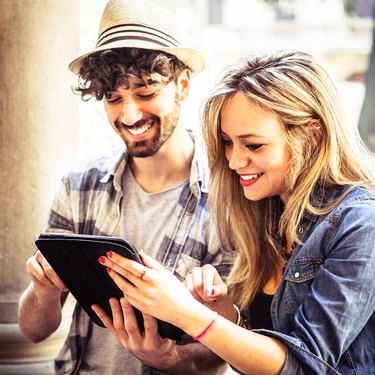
(38,139)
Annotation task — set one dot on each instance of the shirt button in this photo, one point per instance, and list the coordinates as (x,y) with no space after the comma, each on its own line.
(114,215)
(296,275)
(300,230)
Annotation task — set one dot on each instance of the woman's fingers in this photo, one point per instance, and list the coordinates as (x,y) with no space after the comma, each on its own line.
(206,282)
(123,270)
(189,284)
(123,266)
(153,291)
(150,262)
(126,281)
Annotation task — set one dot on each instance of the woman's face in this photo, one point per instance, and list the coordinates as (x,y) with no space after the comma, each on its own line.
(255,147)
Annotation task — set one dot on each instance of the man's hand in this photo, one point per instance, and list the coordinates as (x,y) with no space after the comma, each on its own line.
(42,274)
(147,346)
(39,311)
(154,351)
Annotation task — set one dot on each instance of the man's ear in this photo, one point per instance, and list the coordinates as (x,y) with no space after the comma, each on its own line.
(183,84)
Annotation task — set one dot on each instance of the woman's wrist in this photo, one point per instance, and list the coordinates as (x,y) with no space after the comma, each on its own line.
(208,328)
(196,319)
(224,307)
(241,320)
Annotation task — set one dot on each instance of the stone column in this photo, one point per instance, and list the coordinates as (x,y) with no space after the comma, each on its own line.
(38,141)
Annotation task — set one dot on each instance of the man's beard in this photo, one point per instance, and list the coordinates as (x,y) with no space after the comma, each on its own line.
(166,126)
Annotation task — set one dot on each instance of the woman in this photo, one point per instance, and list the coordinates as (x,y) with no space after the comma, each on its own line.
(290,188)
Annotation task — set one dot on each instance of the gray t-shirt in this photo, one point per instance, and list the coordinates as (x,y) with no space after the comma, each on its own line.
(145,219)
(148,217)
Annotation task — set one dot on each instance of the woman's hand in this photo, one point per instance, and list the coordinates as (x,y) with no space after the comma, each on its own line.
(205,284)
(207,287)
(150,287)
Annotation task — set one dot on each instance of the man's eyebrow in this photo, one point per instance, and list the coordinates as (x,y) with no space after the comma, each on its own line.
(147,83)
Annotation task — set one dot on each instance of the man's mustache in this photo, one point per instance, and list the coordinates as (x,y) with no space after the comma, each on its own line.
(138,124)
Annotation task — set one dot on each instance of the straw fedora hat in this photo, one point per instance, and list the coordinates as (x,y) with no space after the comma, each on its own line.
(141,24)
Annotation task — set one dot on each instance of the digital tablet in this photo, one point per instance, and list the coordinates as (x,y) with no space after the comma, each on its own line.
(74,257)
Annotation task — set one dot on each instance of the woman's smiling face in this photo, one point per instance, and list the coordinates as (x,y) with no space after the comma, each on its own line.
(255,147)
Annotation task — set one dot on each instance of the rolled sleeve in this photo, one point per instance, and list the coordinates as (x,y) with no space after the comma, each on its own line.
(299,360)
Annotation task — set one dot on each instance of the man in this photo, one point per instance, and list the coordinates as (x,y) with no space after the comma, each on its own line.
(153,193)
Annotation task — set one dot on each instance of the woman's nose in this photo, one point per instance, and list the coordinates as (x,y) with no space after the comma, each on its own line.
(237,159)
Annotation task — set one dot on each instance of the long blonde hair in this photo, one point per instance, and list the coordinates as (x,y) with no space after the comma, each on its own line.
(325,151)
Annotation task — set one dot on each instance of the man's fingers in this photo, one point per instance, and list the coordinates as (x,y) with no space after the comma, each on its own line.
(105,318)
(42,273)
(102,316)
(130,320)
(150,325)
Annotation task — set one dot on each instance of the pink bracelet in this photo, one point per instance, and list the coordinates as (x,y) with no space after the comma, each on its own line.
(208,329)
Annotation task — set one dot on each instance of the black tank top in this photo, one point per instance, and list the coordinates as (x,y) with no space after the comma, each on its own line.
(260,312)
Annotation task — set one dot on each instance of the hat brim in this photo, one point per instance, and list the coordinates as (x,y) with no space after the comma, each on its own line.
(192,58)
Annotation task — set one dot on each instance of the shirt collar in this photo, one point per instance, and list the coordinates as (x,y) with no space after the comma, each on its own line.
(323,196)
(198,172)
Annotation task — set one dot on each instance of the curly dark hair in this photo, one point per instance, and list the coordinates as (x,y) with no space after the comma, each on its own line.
(104,71)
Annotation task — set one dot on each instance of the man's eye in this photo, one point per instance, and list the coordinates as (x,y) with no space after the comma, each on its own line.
(254,146)
(148,96)
(112,100)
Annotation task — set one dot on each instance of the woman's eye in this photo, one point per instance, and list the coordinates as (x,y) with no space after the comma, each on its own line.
(226,142)
(254,146)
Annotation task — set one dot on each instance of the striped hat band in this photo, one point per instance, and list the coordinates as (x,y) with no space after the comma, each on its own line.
(136,32)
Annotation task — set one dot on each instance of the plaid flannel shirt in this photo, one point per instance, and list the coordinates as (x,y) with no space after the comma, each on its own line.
(88,202)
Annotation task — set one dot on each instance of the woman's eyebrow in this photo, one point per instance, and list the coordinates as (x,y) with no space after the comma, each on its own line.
(244,136)
(249,135)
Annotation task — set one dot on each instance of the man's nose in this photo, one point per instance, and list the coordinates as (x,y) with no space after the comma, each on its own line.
(131,112)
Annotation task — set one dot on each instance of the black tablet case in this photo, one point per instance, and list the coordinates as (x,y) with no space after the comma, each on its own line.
(75,259)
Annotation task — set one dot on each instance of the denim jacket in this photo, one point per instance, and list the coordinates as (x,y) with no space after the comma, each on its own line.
(324,308)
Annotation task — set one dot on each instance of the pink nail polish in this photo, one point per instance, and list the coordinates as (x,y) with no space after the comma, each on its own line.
(212,292)
(109,254)
(101,260)
(108,269)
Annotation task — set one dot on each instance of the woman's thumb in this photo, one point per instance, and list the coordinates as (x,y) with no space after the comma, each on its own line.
(149,261)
